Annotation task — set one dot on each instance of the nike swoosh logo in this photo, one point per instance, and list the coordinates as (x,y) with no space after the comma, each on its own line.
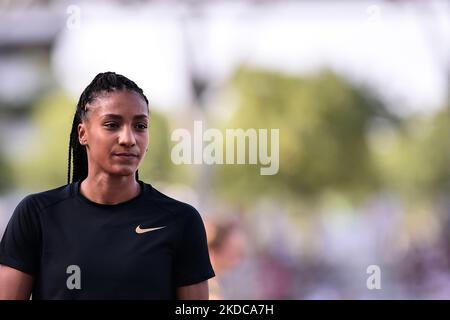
(139,230)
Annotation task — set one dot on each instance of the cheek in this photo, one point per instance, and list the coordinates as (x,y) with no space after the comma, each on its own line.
(143,142)
(144,137)
(101,146)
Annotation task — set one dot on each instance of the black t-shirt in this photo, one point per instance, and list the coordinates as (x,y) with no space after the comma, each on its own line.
(143,248)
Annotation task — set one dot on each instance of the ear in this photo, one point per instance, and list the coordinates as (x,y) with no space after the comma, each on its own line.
(82,134)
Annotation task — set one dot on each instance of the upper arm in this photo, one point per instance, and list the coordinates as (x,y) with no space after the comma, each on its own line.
(198,291)
(21,244)
(192,265)
(14,284)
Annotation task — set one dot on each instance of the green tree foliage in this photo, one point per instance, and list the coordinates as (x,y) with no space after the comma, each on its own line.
(323,122)
(6,178)
(43,164)
(415,161)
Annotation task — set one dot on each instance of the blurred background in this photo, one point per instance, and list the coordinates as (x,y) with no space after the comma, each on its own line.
(358,89)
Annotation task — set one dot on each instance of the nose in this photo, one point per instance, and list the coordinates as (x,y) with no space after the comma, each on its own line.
(126,137)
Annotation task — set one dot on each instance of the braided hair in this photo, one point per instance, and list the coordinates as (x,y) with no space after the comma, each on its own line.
(103,82)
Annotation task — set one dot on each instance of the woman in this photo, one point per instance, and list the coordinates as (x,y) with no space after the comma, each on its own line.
(106,234)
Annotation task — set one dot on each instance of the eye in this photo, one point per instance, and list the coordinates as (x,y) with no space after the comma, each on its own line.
(141,126)
(110,125)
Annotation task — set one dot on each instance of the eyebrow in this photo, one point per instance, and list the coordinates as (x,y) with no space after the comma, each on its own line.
(118,116)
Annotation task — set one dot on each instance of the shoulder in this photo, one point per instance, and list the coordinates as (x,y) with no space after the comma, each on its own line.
(36,202)
(27,215)
(178,209)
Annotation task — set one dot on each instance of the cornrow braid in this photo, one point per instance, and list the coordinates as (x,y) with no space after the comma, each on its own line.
(103,82)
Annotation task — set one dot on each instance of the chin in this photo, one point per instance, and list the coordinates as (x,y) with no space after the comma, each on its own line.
(124,171)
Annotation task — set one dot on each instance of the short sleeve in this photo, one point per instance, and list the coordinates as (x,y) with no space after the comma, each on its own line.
(20,244)
(192,262)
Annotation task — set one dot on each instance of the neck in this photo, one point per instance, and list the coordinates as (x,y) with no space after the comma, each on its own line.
(107,189)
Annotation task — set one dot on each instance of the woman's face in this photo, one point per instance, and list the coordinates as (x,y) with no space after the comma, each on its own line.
(116,124)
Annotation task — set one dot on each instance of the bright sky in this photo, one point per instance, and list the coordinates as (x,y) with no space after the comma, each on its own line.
(398,50)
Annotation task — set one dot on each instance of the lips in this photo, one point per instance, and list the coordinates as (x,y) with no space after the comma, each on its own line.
(126,154)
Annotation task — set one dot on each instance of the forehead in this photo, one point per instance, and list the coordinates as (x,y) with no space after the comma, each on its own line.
(119,104)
